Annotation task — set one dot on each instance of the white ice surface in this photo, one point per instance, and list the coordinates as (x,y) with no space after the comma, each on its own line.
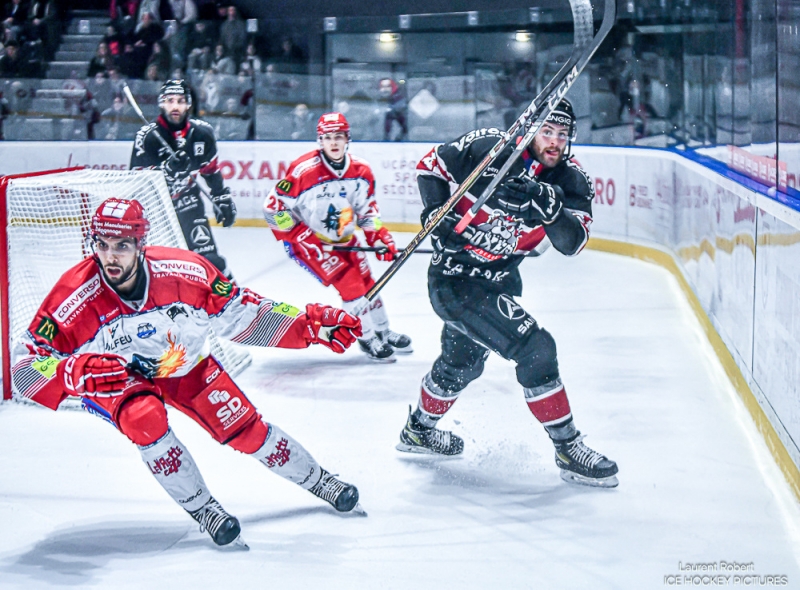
(697,484)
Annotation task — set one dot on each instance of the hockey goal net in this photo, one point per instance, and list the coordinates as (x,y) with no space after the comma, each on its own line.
(44,218)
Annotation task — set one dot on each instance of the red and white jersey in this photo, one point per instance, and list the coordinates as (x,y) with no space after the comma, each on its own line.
(185,295)
(331,202)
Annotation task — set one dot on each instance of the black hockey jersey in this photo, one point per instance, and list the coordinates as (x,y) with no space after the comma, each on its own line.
(196,138)
(498,241)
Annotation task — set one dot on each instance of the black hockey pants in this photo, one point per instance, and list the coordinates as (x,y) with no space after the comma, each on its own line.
(192,218)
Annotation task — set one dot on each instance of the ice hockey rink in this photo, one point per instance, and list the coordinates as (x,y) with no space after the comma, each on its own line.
(697,483)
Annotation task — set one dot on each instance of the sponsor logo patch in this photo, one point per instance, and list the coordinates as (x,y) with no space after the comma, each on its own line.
(286,309)
(76,298)
(145,330)
(201,236)
(509,308)
(46,365)
(47,329)
(181,267)
(222,288)
(284,186)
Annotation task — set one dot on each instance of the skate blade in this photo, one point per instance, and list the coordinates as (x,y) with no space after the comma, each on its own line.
(359,510)
(386,361)
(422,451)
(595,482)
(237,544)
(407,350)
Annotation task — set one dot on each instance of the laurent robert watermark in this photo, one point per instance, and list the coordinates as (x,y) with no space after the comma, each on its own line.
(722,573)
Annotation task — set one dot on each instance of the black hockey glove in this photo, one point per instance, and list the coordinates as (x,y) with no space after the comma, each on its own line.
(530,200)
(444,238)
(224,207)
(176,167)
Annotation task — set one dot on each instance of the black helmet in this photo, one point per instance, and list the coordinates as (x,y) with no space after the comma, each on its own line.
(564,115)
(179,87)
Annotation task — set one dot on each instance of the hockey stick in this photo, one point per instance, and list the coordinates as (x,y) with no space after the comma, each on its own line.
(376,249)
(544,111)
(583,27)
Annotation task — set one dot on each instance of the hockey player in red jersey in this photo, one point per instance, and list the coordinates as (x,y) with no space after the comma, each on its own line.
(325,195)
(126,331)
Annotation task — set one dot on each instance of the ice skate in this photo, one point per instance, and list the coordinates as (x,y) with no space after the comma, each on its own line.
(580,464)
(223,528)
(377,350)
(399,342)
(416,438)
(342,496)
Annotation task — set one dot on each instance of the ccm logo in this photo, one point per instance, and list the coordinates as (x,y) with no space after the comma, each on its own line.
(213,376)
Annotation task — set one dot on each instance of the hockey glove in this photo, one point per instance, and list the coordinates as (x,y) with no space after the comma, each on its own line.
(224,207)
(530,200)
(304,240)
(331,327)
(386,254)
(176,167)
(102,375)
(444,238)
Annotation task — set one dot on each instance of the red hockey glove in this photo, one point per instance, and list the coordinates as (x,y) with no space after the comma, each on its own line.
(93,374)
(382,235)
(303,237)
(331,327)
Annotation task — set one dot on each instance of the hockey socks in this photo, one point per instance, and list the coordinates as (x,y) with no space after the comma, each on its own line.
(434,402)
(286,457)
(173,467)
(549,405)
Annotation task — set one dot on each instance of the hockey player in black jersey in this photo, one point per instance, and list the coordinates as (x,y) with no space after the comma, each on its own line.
(192,151)
(546,199)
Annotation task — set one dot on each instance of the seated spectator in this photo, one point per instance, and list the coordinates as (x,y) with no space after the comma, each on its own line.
(132,62)
(101,61)
(251,64)
(148,32)
(114,40)
(161,60)
(233,34)
(4,112)
(124,14)
(198,46)
(221,62)
(290,53)
(15,20)
(101,88)
(10,63)
(119,113)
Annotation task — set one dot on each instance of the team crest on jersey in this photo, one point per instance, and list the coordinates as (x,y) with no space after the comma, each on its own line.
(175,311)
(47,329)
(222,288)
(496,237)
(337,220)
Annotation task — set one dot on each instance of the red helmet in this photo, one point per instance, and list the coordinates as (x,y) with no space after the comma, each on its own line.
(332,123)
(120,218)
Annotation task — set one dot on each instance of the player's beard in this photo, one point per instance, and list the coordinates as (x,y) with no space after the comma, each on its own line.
(124,275)
(549,160)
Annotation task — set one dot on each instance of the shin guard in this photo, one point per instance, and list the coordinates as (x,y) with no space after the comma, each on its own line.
(550,406)
(287,458)
(173,467)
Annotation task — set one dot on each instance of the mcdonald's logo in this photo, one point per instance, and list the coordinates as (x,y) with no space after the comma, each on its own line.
(222,288)
(47,329)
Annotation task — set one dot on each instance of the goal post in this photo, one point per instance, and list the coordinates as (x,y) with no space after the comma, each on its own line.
(44,221)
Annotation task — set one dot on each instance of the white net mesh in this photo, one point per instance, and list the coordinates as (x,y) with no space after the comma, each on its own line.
(48,217)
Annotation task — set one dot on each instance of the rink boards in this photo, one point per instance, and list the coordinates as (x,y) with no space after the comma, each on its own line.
(734,250)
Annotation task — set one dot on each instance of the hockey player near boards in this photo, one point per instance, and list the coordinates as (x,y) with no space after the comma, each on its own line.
(327,193)
(192,151)
(473,279)
(125,330)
